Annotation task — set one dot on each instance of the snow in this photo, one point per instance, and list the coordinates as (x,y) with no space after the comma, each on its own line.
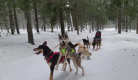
(117,59)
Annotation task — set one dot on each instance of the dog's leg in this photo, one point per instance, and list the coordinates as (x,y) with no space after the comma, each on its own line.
(75,64)
(64,64)
(100,44)
(82,70)
(68,60)
(65,67)
(97,46)
(58,61)
(93,47)
(79,65)
(87,45)
(51,74)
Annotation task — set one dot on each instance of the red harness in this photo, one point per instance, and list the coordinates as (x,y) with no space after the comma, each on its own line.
(62,58)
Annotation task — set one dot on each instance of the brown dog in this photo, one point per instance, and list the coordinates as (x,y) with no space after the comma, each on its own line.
(97,42)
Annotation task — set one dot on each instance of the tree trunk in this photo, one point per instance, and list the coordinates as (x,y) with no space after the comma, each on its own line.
(29,28)
(81,27)
(1,28)
(44,27)
(52,27)
(116,25)
(89,29)
(86,25)
(130,27)
(130,24)
(123,27)
(36,17)
(75,21)
(77,30)
(77,27)
(68,26)
(102,26)
(119,20)
(5,19)
(98,24)
(62,20)
(16,22)
(72,27)
(71,22)
(11,21)
(126,23)
(137,25)
(95,24)
(123,21)
(92,25)
(22,21)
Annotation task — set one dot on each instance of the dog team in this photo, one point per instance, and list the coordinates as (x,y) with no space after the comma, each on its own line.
(66,52)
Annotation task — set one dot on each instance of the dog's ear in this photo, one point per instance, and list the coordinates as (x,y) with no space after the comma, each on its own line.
(45,43)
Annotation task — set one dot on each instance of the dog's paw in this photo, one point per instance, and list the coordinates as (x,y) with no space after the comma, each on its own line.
(82,74)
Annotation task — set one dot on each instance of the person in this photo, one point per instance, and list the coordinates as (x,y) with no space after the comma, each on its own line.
(98,35)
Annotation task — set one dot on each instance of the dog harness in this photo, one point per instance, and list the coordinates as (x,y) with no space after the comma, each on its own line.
(64,49)
(62,58)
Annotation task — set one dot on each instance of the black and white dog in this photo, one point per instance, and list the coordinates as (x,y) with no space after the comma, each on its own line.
(86,42)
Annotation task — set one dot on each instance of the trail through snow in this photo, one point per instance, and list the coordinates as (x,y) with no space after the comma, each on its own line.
(117,59)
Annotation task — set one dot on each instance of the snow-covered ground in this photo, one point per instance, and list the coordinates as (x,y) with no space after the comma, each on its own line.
(117,59)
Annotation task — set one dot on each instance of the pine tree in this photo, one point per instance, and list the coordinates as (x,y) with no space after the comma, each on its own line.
(25,6)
